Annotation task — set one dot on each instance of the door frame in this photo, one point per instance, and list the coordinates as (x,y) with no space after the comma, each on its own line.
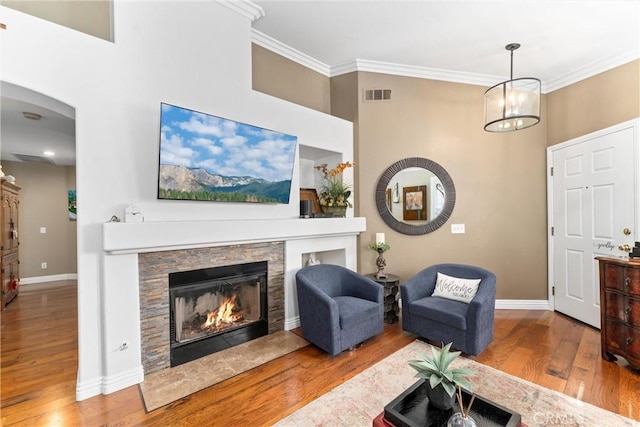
(633,124)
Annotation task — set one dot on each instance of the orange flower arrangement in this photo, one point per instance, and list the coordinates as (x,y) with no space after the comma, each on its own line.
(335,191)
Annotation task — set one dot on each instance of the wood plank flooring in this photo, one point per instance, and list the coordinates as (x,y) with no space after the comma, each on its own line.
(39,360)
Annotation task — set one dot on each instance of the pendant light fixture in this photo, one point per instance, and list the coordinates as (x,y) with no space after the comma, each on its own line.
(514,104)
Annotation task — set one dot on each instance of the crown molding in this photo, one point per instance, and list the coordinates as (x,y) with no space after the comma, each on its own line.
(246,8)
(288,52)
(364,65)
(596,67)
(415,71)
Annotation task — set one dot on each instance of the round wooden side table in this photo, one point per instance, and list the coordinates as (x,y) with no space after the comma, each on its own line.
(391,288)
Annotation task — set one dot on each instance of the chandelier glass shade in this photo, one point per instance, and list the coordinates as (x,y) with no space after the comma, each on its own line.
(514,104)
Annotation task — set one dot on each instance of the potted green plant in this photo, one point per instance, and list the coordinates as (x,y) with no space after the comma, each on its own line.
(381,263)
(442,379)
(334,191)
(380,246)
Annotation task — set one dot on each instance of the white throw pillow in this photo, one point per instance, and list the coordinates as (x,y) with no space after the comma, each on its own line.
(456,288)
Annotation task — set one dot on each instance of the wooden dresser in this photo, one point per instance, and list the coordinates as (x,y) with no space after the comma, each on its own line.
(9,258)
(620,309)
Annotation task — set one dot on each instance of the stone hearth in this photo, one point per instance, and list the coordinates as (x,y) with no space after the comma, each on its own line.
(154,268)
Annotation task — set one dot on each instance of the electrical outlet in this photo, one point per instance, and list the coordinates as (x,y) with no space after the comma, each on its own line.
(43,266)
(43,230)
(457,228)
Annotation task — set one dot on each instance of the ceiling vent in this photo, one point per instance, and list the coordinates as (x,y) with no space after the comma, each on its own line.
(33,159)
(377,95)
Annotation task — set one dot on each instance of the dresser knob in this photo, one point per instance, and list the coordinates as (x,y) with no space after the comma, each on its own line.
(629,340)
(627,281)
(628,309)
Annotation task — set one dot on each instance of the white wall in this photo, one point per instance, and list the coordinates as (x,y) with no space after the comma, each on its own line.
(191,54)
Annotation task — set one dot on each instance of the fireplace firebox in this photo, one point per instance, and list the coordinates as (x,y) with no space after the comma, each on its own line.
(213,309)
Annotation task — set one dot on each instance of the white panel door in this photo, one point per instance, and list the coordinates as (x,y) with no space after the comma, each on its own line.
(593,214)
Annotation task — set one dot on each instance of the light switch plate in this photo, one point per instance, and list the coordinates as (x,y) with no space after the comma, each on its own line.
(457,228)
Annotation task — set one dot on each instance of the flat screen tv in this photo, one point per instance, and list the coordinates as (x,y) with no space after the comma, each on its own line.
(204,157)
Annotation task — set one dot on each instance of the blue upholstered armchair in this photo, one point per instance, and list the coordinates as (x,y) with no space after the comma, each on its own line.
(339,308)
(469,326)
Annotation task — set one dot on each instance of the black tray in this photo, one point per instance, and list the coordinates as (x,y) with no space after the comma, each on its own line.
(412,409)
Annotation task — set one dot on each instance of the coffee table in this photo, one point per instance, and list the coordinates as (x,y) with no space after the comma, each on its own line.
(411,409)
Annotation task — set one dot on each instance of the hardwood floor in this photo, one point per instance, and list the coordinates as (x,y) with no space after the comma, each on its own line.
(39,362)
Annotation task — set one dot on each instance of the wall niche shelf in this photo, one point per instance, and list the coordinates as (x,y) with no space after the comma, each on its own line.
(335,257)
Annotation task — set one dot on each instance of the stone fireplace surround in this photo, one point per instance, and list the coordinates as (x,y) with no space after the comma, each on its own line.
(125,244)
(154,270)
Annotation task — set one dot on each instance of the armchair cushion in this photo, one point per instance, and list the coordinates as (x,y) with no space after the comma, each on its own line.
(338,307)
(352,310)
(455,288)
(442,310)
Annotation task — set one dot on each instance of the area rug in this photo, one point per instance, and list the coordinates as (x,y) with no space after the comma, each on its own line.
(163,387)
(362,398)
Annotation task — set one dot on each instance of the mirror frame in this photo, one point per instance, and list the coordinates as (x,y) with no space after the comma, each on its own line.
(438,171)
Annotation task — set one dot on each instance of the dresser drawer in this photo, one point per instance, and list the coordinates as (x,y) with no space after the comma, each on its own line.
(633,345)
(631,282)
(614,306)
(622,278)
(613,276)
(620,307)
(632,309)
(616,337)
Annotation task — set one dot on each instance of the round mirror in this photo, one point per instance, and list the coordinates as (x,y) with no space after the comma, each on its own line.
(415,196)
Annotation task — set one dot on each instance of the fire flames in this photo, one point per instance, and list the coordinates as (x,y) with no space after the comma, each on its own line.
(228,313)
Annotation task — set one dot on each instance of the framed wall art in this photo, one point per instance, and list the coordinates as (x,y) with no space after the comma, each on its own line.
(414,203)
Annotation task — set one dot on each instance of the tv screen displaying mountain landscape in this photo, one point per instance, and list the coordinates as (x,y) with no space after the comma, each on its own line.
(204,157)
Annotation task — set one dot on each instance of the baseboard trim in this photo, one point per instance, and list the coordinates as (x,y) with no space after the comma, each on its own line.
(107,385)
(88,389)
(293,323)
(52,278)
(122,380)
(522,304)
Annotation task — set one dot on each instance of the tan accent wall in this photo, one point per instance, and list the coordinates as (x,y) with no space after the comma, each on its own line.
(43,203)
(595,103)
(91,17)
(285,79)
(345,97)
(344,104)
(499,178)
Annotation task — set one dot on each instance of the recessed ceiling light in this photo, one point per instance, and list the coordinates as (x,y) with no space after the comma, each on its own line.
(31,116)
(48,153)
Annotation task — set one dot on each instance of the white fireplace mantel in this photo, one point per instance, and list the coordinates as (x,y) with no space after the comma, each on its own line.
(136,237)
(122,242)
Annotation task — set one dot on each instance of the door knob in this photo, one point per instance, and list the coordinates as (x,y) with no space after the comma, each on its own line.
(626,231)
(625,248)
